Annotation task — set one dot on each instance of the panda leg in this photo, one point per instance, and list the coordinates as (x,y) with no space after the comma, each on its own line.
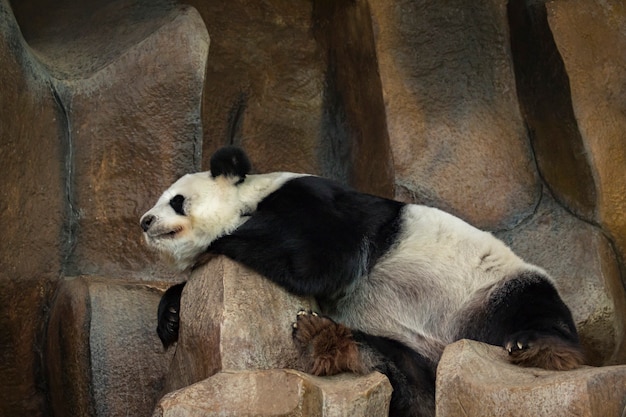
(168,315)
(534,325)
(328,348)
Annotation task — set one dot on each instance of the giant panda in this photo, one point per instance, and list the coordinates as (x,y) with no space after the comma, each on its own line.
(395,282)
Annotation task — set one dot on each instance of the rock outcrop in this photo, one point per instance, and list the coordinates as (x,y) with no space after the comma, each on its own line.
(102,354)
(474,379)
(235,337)
(233,319)
(279,392)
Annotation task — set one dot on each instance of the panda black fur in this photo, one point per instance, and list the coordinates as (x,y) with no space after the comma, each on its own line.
(390,271)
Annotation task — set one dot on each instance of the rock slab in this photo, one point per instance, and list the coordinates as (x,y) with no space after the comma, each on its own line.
(475,379)
(234,345)
(103,357)
(233,318)
(279,392)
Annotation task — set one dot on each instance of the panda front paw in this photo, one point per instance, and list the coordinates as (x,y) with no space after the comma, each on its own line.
(168,316)
(325,347)
(307,326)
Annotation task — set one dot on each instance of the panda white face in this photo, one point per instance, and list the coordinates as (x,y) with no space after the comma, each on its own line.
(192,213)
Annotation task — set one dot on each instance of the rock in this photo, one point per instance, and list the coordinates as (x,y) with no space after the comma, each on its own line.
(475,379)
(103,357)
(583,263)
(264,83)
(590,37)
(279,393)
(233,319)
(457,136)
(32,210)
(130,139)
(545,98)
(297,85)
(235,330)
(352,395)
(569,79)
(354,110)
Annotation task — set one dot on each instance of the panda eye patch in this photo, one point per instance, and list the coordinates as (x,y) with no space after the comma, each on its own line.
(177,202)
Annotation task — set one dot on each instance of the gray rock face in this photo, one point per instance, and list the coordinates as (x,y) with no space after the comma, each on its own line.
(593,55)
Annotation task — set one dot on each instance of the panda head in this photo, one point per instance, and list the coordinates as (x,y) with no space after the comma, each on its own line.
(199,208)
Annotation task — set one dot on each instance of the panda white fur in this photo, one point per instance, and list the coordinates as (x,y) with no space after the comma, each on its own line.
(391,272)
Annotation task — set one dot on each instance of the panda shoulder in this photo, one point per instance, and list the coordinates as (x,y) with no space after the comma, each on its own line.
(257,187)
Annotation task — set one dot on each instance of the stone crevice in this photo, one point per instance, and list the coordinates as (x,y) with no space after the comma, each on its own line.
(71,212)
(545,100)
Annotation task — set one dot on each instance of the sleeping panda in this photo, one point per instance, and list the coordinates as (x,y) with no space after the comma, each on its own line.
(396,282)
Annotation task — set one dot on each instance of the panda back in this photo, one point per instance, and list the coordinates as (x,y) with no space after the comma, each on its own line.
(315,236)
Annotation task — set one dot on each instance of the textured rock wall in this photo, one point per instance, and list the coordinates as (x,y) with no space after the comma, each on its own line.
(457,137)
(32,154)
(509,114)
(98,113)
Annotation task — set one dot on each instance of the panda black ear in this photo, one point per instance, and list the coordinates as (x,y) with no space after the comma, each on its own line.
(230,161)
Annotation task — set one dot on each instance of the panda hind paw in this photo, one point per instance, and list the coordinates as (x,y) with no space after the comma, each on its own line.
(532,349)
(325,347)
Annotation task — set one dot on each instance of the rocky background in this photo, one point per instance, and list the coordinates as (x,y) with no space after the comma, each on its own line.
(509,114)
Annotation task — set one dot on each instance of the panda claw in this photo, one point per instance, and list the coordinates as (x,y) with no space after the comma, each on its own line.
(513,347)
(304,312)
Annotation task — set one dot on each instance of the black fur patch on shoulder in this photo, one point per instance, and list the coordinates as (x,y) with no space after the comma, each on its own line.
(314,236)
(168,315)
(231,162)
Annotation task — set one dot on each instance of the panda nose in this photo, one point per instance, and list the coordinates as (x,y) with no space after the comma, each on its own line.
(146,222)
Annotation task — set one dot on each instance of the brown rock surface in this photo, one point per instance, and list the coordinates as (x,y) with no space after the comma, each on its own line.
(297,85)
(545,98)
(279,393)
(103,357)
(78,150)
(264,83)
(135,127)
(457,136)
(232,318)
(103,104)
(32,210)
(591,39)
(475,379)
